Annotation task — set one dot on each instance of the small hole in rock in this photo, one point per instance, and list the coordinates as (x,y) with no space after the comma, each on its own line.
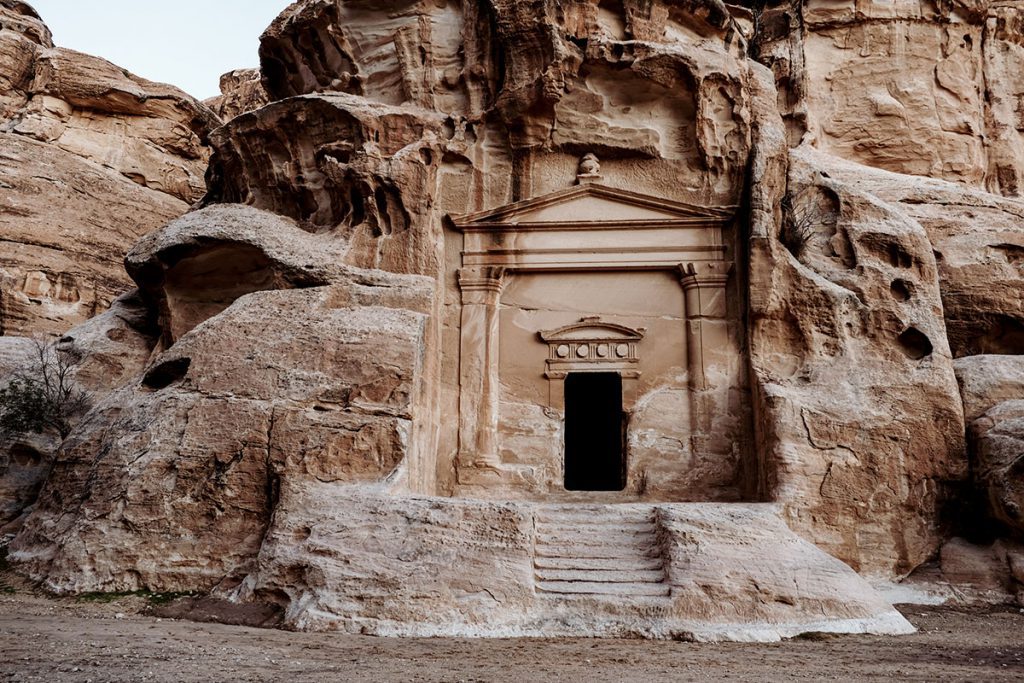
(167,373)
(898,257)
(915,344)
(901,290)
(23,455)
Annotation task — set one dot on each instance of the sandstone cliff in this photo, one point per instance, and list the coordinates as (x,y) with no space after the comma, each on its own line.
(91,158)
(290,432)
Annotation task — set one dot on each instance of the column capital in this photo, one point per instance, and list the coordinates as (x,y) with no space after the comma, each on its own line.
(705,274)
(486,278)
(704,286)
(481,285)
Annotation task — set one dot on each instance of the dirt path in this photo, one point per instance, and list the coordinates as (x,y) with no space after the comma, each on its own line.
(67,640)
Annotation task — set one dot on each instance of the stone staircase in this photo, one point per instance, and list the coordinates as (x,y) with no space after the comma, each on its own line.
(598,550)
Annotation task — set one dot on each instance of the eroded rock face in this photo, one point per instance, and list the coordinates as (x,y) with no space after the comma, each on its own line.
(112,348)
(840,357)
(910,87)
(998,444)
(198,265)
(93,158)
(182,466)
(241,91)
(978,240)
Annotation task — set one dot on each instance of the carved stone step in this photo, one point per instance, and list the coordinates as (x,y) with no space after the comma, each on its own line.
(609,575)
(595,517)
(609,552)
(571,588)
(607,537)
(630,563)
(643,527)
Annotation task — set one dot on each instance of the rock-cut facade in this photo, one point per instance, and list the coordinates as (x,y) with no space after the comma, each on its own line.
(674,319)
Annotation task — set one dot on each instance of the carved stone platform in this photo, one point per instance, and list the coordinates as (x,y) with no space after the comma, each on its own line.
(401,566)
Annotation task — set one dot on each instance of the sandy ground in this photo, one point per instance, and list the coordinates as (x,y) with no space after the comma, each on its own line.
(42,639)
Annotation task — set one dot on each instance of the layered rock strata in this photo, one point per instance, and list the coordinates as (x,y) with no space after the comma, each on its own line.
(910,87)
(91,158)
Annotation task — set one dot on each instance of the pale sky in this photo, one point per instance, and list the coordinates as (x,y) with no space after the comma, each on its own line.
(187,43)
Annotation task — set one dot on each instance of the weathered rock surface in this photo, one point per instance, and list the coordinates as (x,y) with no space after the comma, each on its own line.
(198,265)
(993,395)
(982,573)
(840,354)
(978,240)
(998,447)
(296,413)
(113,348)
(180,469)
(359,169)
(449,567)
(66,224)
(23,463)
(911,87)
(92,158)
(241,91)
(986,381)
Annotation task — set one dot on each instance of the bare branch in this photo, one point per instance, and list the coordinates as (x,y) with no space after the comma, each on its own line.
(46,397)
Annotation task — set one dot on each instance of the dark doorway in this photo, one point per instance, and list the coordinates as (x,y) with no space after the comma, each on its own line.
(593,432)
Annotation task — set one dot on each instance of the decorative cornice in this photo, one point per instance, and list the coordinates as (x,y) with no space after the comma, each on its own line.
(597,326)
(505,217)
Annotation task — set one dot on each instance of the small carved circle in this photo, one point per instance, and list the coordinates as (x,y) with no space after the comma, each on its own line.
(622,350)
(583,350)
(563,351)
(602,351)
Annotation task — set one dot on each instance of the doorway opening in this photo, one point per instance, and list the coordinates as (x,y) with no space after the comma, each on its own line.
(593,432)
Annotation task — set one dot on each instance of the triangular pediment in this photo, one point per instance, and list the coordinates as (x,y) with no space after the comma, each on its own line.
(593,329)
(592,204)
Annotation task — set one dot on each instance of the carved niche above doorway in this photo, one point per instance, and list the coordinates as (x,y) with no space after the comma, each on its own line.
(588,229)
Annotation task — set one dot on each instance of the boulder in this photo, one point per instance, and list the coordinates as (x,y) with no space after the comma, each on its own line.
(998,447)
(986,381)
(198,265)
(241,91)
(181,468)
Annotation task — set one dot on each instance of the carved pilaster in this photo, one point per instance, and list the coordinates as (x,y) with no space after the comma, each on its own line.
(704,293)
(478,371)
